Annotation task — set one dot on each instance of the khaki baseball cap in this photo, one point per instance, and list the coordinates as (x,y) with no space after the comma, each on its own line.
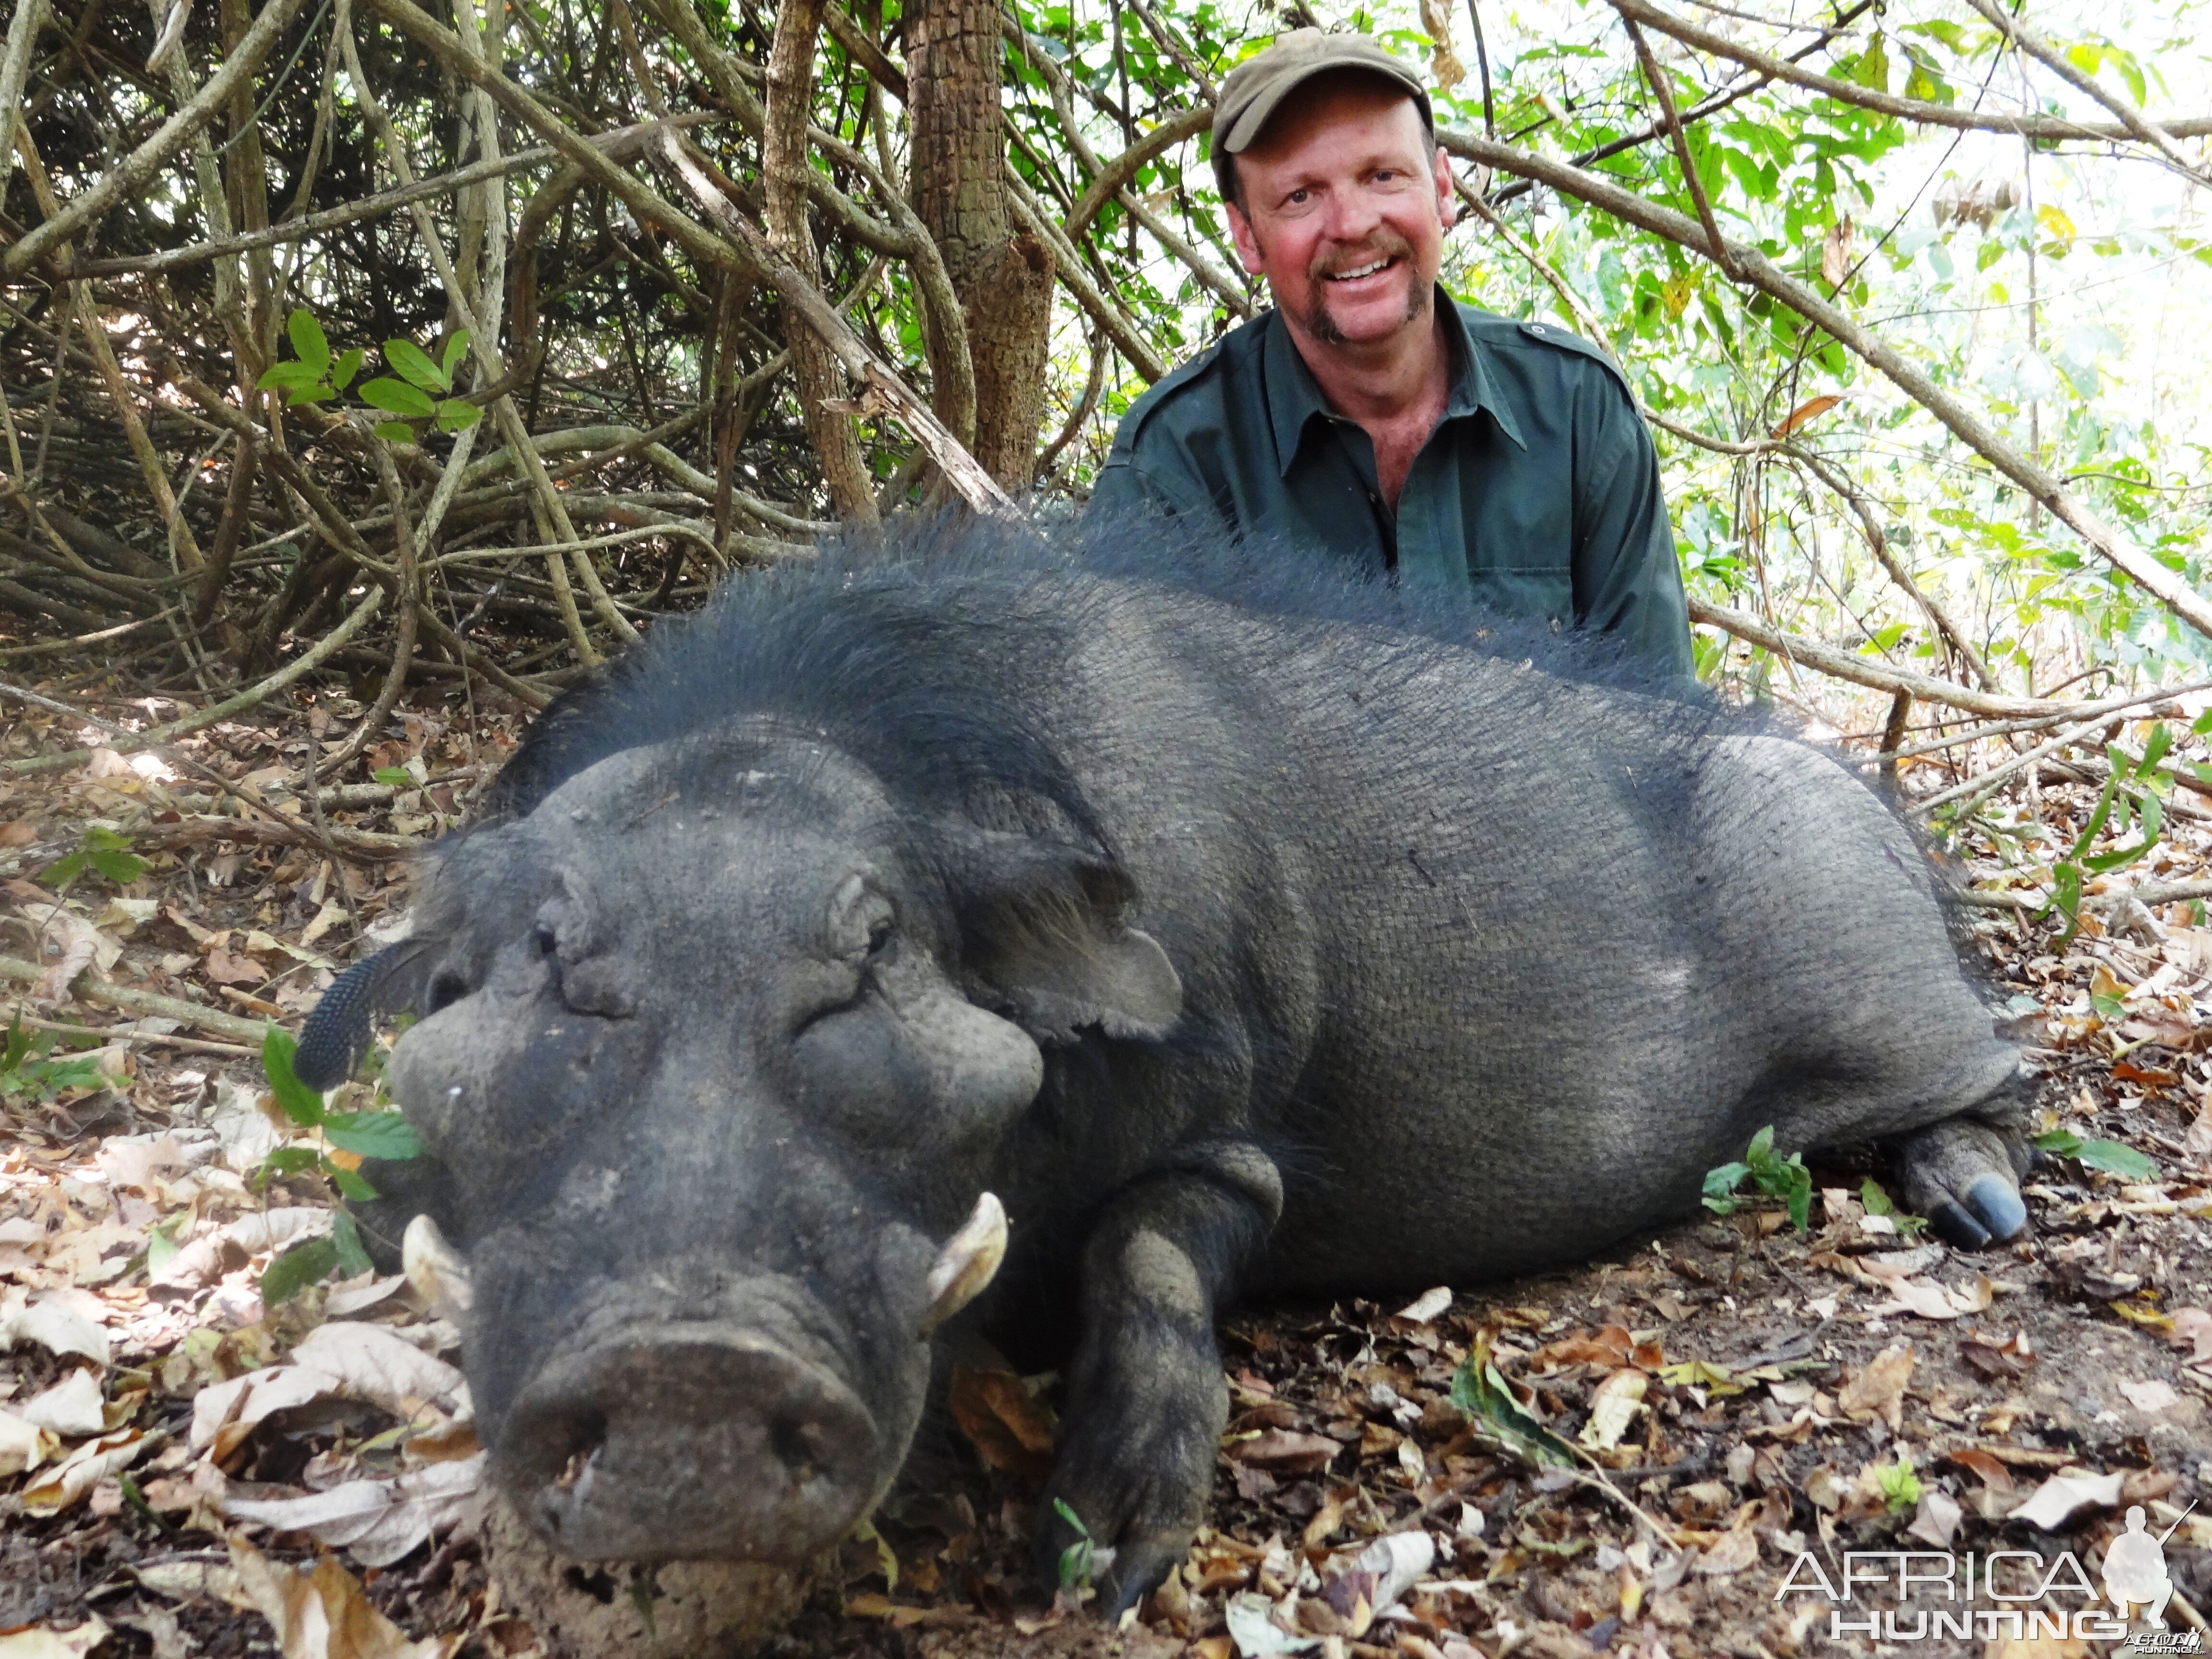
(1256,88)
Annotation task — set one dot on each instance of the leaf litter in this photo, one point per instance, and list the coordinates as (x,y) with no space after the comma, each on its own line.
(1621,1458)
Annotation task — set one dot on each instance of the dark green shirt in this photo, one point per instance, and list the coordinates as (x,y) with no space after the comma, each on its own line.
(1538,490)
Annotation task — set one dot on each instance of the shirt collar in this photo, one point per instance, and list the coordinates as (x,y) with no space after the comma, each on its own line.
(1294,396)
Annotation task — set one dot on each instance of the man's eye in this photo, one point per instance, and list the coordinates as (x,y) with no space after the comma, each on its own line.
(1296,198)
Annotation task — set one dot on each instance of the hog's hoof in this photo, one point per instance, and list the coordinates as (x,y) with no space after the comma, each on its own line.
(1964,1175)
(621,1610)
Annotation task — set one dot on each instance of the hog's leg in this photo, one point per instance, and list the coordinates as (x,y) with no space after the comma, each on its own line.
(1964,1175)
(1145,1399)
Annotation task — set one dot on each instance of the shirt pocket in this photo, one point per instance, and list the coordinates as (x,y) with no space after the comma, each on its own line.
(1529,591)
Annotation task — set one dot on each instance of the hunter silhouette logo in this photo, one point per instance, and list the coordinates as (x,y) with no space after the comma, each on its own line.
(1938,1594)
(2134,1569)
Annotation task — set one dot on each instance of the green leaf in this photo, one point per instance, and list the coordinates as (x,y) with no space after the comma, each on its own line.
(63,870)
(454,413)
(395,432)
(1873,1200)
(348,365)
(298,1268)
(384,1135)
(119,868)
(1077,1559)
(409,362)
(283,1161)
(19,1043)
(303,1105)
(161,1246)
(397,776)
(1721,1185)
(398,397)
(2109,1156)
(350,1183)
(1478,1389)
(1900,1485)
(288,377)
(454,348)
(308,340)
(2161,740)
(353,1255)
(1762,1146)
(2114,1158)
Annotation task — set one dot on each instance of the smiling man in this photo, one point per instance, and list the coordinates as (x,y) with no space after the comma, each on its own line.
(1371,417)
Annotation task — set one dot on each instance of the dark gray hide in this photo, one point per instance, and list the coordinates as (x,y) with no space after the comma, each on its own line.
(1237,951)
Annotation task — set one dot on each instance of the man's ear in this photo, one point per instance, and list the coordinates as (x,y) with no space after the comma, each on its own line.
(1041,927)
(1447,197)
(1247,243)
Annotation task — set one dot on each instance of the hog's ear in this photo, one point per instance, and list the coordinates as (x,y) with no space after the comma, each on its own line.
(1043,924)
(336,1033)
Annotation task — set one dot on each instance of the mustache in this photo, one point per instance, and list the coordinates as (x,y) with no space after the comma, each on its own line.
(1385,244)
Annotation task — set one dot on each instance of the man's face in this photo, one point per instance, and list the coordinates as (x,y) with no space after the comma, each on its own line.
(1344,211)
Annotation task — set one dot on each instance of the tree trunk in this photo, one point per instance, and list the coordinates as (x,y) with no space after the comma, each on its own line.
(783,156)
(954,59)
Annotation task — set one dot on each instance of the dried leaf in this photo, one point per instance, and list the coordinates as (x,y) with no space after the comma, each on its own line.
(1613,1407)
(1734,1550)
(1286,1450)
(1937,1518)
(2150,1397)
(1426,1306)
(70,1408)
(201,1261)
(44,1643)
(1395,1563)
(367,1362)
(1009,1428)
(1928,1300)
(1992,1471)
(68,945)
(22,1445)
(68,1481)
(375,1522)
(324,1614)
(1878,1390)
(225,968)
(55,1325)
(2060,1496)
(1256,1633)
(1836,252)
(2191,1327)
(1609,1347)
(1811,409)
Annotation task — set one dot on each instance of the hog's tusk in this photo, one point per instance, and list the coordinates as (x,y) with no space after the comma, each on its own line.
(967,1262)
(435,1268)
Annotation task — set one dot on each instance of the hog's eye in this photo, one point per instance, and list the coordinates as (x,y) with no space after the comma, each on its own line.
(446,987)
(879,936)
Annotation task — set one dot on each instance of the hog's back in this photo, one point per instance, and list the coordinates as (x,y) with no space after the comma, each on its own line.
(1513,960)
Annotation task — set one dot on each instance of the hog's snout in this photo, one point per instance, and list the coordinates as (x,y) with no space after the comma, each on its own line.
(670,1440)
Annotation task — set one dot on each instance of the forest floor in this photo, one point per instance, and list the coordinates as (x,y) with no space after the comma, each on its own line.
(1741,1395)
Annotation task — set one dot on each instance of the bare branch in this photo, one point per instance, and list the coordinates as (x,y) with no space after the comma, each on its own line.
(130,175)
(1716,244)
(2137,123)
(893,396)
(1755,268)
(1111,178)
(1907,109)
(1848,666)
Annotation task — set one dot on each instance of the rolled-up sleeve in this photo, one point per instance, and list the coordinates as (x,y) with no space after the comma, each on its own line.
(1627,581)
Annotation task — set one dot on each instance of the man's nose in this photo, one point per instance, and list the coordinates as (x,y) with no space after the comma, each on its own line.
(1349,217)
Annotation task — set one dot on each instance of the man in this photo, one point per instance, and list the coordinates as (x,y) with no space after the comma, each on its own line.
(1442,443)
